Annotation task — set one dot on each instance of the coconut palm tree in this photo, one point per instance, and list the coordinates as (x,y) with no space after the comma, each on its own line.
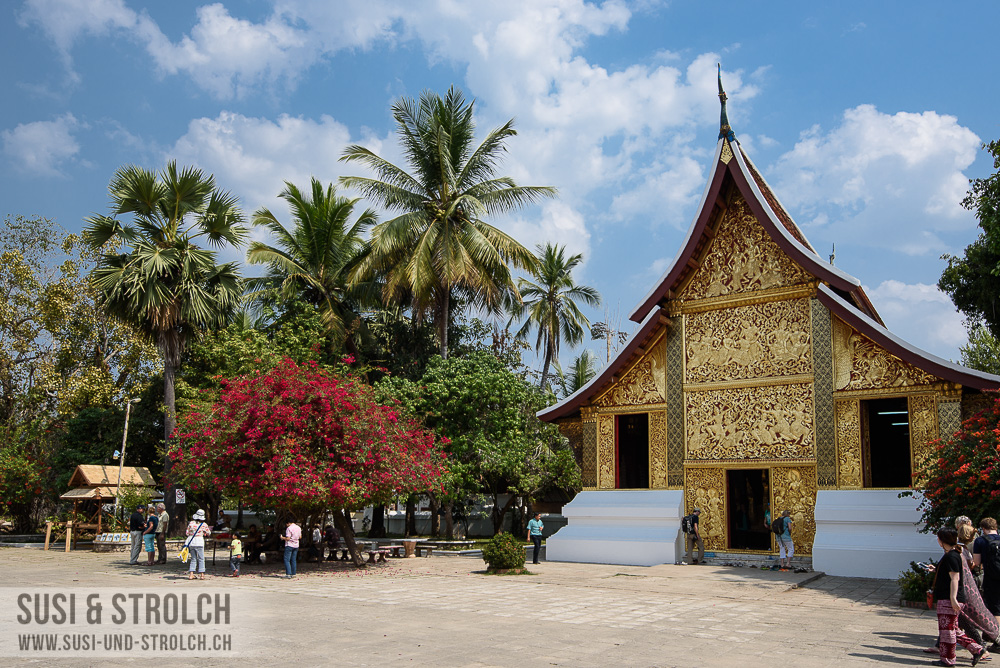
(580,372)
(150,272)
(312,260)
(439,246)
(550,304)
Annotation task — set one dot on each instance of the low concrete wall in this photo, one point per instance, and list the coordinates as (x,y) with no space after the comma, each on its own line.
(869,533)
(640,528)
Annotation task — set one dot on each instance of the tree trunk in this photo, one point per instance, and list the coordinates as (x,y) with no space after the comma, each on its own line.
(499,515)
(449,522)
(411,516)
(342,521)
(435,523)
(545,366)
(178,514)
(377,529)
(239,515)
(443,324)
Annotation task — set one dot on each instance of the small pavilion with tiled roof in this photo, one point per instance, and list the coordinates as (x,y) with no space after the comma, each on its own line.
(761,377)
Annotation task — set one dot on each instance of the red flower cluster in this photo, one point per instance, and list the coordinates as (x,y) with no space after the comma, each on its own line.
(301,437)
(962,478)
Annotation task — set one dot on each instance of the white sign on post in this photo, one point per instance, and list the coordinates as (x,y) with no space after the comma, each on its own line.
(179,497)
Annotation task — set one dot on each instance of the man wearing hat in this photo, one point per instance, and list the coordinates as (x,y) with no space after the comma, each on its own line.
(197,530)
(695,536)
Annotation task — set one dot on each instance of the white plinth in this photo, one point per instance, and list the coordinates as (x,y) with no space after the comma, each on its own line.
(869,533)
(636,528)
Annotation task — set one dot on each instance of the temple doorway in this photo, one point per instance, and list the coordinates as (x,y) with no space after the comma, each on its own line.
(885,435)
(633,451)
(749,493)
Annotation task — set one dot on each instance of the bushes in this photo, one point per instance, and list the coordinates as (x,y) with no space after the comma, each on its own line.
(915,582)
(504,551)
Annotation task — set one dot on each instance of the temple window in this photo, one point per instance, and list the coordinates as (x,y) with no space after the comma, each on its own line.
(886,441)
(632,471)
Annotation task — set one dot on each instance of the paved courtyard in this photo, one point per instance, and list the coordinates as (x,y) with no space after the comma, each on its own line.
(442,611)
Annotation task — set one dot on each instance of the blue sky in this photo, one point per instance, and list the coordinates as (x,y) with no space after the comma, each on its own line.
(866,118)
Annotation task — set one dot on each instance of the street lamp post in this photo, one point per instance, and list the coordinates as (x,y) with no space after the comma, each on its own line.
(121,457)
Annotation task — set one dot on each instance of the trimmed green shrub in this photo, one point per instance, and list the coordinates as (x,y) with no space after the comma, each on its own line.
(504,551)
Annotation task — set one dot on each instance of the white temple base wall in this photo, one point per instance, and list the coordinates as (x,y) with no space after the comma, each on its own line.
(628,527)
(869,533)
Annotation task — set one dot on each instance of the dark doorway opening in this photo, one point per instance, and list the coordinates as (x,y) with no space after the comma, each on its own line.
(886,431)
(633,451)
(749,494)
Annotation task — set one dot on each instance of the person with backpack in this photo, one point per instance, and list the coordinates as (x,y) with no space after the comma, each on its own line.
(986,553)
(782,528)
(689,525)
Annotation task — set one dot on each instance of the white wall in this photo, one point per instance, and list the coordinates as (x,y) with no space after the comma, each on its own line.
(639,528)
(869,533)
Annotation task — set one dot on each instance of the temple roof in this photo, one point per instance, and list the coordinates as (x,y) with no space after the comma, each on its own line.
(838,290)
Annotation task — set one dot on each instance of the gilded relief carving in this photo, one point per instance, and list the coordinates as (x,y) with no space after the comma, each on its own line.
(706,490)
(794,489)
(923,428)
(658,450)
(758,341)
(606,451)
(727,153)
(643,384)
(742,258)
(860,364)
(772,422)
(848,421)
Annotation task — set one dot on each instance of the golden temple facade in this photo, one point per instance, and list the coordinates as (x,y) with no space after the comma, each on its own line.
(760,375)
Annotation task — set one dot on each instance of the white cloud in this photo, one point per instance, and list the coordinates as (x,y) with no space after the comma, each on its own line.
(254,156)
(920,314)
(876,170)
(42,147)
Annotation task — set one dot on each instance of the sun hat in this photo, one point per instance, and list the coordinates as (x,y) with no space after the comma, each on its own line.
(199,515)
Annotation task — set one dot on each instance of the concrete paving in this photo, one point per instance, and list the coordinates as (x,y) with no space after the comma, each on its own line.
(444,611)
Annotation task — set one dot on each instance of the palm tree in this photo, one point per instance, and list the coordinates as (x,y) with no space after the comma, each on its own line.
(581,370)
(438,247)
(164,285)
(312,260)
(549,304)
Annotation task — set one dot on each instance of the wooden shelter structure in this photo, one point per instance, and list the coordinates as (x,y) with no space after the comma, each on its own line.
(761,377)
(94,485)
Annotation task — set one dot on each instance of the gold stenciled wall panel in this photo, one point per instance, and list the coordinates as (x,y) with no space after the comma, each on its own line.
(794,489)
(770,422)
(861,364)
(848,424)
(826,442)
(923,428)
(949,417)
(606,451)
(755,341)
(589,472)
(705,488)
(674,343)
(643,384)
(742,258)
(658,450)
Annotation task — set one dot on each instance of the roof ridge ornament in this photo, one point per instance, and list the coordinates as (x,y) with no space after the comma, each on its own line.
(725,131)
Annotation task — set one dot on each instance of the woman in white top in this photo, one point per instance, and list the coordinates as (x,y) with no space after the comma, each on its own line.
(196,531)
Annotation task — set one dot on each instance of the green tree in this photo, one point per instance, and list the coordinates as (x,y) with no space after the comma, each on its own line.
(550,304)
(580,372)
(164,285)
(973,279)
(497,445)
(982,352)
(312,261)
(439,246)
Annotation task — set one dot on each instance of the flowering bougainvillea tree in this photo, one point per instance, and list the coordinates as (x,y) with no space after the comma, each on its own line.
(961,478)
(301,438)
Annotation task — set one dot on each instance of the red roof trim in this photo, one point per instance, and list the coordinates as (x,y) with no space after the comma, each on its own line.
(582,396)
(941,368)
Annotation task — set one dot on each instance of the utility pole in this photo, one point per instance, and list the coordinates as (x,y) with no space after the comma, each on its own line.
(121,456)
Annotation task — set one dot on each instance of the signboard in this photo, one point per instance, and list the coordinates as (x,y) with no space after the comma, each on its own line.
(179,497)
